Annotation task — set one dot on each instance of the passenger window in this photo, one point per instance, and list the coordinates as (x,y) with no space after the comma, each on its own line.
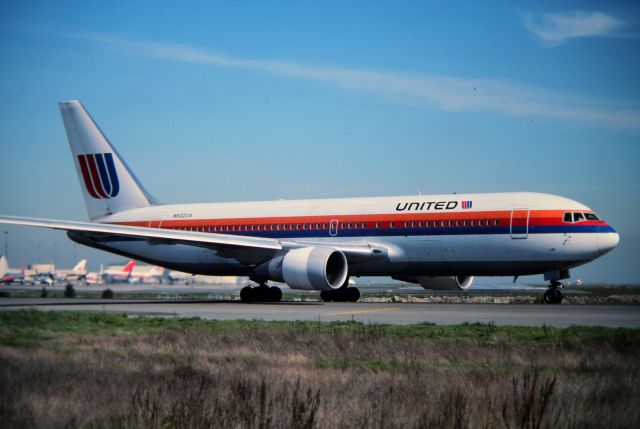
(377,224)
(577,217)
(443,223)
(390,224)
(457,223)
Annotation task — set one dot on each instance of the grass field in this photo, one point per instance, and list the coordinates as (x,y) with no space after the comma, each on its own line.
(95,370)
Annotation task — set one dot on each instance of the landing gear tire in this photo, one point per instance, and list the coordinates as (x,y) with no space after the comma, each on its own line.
(353,294)
(344,294)
(553,295)
(260,294)
(275,294)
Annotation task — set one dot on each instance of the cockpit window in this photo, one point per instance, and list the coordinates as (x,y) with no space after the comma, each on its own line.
(579,217)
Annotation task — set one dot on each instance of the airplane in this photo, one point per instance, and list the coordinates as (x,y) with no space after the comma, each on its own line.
(76,273)
(11,275)
(94,278)
(40,273)
(440,242)
(131,273)
(118,273)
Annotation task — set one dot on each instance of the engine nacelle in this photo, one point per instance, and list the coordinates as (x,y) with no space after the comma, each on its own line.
(311,268)
(446,283)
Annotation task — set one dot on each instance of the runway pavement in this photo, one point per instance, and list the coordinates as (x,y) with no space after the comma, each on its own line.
(394,313)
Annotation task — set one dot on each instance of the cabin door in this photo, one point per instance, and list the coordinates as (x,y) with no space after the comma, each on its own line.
(333,228)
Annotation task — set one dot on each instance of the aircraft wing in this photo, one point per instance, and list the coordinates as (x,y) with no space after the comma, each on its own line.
(250,250)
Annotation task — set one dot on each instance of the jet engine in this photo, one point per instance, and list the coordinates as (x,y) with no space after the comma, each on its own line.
(446,283)
(310,268)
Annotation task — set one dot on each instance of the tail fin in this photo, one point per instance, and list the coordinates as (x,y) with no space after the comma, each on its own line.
(109,186)
(129,267)
(81,267)
(4,265)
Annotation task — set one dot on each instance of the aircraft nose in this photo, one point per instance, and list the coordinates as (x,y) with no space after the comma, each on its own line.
(607,242)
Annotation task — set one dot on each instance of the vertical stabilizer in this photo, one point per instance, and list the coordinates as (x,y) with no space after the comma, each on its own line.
(81,267)
(4,265)
(108,184)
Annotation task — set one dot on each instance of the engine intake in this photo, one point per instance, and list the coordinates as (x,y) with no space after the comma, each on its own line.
(446,283)
(311,268)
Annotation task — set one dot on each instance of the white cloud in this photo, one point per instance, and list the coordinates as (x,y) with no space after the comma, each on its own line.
(446,93)
(554,28)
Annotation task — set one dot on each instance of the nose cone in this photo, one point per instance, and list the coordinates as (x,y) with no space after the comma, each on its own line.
(606,242)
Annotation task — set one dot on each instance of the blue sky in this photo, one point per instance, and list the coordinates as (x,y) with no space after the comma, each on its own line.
(232,101)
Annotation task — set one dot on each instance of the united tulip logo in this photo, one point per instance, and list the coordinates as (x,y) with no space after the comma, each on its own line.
(99,174)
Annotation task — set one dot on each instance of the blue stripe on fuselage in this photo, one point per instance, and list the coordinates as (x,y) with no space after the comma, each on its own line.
(428,232)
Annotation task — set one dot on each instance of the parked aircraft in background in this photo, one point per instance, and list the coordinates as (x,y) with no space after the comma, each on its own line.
(173,277)
(40,273)
(74,274)
(437,241)
(94,278)
(10,275)
(132,273)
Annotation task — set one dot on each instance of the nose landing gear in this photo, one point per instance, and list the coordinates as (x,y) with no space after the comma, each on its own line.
(553,295)
(262,293)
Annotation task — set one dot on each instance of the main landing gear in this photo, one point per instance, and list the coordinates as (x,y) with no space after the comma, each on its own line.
(344,294)
(553,295)
(262,293)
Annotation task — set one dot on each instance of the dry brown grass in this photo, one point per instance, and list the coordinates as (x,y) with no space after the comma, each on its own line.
(284,375)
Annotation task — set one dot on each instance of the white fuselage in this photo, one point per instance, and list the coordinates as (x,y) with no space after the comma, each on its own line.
(439,235)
